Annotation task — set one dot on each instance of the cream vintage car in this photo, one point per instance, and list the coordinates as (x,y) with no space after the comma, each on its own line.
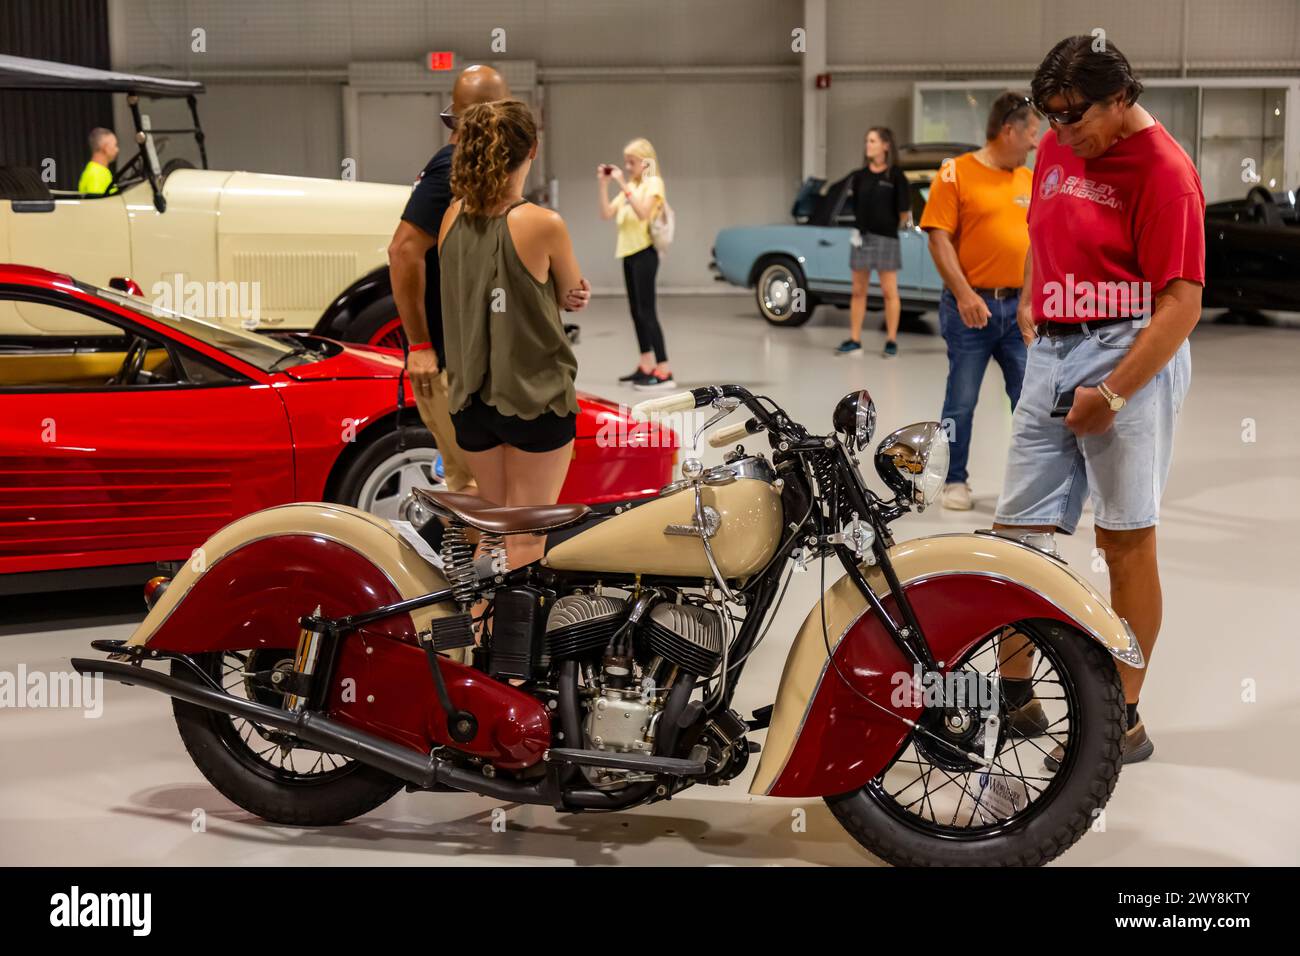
(274,253)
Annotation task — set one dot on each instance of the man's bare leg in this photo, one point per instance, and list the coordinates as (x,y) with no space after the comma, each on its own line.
(1130,557)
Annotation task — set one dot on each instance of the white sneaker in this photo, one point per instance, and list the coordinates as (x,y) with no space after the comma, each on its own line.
(956,496)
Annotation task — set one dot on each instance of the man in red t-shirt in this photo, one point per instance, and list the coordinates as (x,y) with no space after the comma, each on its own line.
(1116,266)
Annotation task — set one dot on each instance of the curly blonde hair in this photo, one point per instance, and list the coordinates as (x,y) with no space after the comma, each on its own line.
(494,139)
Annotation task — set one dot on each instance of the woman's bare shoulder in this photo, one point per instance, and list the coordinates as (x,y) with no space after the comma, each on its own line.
(536,220)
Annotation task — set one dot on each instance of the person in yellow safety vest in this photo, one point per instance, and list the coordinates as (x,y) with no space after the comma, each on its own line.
(97,177)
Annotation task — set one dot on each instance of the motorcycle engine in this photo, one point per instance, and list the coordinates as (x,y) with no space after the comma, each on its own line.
(623,699)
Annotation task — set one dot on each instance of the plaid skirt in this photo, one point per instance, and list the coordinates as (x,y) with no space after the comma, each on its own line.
(881,253)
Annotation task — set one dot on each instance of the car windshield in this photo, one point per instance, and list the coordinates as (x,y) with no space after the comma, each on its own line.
(261,351)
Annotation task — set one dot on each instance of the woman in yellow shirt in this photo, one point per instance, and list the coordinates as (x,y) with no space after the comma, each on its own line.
(639,201)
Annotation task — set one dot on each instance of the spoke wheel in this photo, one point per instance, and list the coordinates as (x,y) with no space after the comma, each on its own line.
(271,774)
(934,805)
(937,792)
(272,753)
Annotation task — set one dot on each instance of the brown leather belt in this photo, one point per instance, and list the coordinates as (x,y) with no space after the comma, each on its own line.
(1001,292)
(1075,328)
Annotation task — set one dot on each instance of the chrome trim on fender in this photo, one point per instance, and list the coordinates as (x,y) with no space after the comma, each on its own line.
(1133,656)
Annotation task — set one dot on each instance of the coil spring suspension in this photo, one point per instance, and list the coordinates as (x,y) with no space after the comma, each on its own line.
(458,563)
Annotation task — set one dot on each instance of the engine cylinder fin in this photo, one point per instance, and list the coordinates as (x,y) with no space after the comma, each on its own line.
(685,635)
(582,624)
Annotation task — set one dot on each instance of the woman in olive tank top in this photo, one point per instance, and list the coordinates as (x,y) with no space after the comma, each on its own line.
(510,368)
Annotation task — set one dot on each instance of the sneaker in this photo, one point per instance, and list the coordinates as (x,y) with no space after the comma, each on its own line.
(956,496)
(891,349)
(849,347)
(633,375)
(1134,747)
(653,381)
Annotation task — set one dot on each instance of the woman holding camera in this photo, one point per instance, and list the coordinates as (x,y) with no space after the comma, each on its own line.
(639,201)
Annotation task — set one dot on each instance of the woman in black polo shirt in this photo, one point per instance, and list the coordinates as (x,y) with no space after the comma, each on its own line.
(882,203)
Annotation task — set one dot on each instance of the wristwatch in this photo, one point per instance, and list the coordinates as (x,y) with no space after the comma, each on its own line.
(1116,402)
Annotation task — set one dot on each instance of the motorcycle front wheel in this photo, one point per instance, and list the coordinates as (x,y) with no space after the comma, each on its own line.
(267,773)
(928,808)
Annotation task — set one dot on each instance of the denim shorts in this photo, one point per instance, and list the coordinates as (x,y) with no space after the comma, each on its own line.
(1050,469)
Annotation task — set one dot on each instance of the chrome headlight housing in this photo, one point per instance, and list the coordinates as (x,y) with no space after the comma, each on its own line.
(913,462)
(855,419)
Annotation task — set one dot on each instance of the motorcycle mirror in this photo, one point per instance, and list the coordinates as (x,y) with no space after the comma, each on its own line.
(913,462)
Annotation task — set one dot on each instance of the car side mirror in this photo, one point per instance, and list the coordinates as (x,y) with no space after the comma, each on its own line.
(125,286)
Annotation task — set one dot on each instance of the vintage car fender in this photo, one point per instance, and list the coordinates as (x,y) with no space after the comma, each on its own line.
(250,582)
(824,739)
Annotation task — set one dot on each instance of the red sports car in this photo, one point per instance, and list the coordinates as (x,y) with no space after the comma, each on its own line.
(129,434)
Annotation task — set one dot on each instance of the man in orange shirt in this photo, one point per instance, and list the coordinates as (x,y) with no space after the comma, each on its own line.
(979,236)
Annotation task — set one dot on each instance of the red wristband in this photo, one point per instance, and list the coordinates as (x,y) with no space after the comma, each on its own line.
(419,346)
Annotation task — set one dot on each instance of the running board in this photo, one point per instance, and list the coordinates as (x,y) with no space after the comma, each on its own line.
(644,763)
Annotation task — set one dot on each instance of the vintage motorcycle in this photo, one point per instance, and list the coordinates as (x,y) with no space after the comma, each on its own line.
(319,662)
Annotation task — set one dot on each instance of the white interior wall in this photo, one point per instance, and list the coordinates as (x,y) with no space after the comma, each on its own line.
(729,152)
(856,103)
(730,146)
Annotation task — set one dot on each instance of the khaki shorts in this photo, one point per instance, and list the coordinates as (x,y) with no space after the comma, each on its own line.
(434,414)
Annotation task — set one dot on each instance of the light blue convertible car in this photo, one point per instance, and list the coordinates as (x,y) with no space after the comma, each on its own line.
(812,254)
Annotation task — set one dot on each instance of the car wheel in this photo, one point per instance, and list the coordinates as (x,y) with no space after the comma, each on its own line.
(383,477)
(779,290)
(378,324)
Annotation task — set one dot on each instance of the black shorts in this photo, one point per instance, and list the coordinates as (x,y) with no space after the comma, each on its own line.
(480,427)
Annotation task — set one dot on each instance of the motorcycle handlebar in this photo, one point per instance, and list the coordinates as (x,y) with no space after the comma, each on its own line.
(776,424)
(677,402)
(725,436)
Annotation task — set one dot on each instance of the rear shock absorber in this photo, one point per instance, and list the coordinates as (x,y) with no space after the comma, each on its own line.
(304,666)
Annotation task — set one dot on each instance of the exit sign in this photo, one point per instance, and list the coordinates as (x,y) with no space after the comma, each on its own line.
(440,61)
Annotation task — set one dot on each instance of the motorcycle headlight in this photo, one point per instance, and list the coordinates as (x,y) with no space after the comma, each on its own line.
(855,418)
(913,462)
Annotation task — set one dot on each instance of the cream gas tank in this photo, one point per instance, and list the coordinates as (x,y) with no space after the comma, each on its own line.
(742,503)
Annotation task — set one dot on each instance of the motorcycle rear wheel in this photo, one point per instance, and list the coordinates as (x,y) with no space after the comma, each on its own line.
(314,790)
(1048,825)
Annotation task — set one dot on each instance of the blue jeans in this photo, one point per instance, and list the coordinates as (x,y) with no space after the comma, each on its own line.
(969,351)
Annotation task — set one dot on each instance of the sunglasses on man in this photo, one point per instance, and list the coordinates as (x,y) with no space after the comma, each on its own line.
(449,119)
(1067,117)
(1016,106)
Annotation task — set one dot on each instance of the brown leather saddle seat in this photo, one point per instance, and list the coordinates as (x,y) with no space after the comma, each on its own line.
(493,518)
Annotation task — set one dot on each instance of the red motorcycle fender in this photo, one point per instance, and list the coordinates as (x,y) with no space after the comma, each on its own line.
(825,739)
(250,583)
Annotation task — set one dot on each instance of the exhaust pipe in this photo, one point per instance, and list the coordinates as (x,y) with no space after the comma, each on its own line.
(405,763)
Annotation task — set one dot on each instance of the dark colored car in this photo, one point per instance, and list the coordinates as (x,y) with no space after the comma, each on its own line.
(1252,252)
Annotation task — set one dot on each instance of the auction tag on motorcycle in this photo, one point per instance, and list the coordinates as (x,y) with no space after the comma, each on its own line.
(998,797)
(412,537)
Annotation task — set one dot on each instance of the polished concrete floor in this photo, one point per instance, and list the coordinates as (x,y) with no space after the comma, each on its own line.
(1222,703)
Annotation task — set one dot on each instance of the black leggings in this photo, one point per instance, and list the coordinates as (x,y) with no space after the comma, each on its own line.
(639,273)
